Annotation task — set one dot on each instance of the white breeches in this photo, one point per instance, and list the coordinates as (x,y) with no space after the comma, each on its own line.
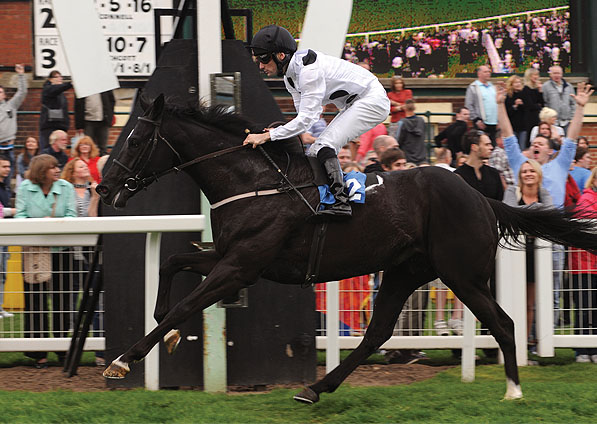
(369,109)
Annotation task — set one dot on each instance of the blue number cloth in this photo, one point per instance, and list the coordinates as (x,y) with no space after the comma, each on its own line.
(355,184)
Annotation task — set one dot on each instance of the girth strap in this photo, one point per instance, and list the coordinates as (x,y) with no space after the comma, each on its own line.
(316,253)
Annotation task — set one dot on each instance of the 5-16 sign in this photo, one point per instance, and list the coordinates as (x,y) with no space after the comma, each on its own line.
(127,24)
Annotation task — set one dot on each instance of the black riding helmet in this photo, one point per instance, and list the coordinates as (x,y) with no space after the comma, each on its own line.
(270,40)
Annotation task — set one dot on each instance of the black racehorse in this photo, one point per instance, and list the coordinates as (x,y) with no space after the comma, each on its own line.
(416,226)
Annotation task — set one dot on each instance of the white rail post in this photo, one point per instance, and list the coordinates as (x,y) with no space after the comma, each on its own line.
(209,61)
(544,298)
(511,295)
(468,347)
(332,353)
(152,278)
(215,367)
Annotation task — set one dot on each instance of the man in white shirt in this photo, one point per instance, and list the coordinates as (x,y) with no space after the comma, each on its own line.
(314,80)
(480,101)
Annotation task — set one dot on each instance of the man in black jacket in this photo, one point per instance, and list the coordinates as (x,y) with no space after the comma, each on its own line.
(483,178)
(94,115)
(453,134)
(54,108)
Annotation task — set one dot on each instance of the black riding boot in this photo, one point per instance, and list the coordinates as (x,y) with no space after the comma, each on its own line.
(327,157)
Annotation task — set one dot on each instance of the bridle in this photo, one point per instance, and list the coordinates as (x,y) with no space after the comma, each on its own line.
(137,182)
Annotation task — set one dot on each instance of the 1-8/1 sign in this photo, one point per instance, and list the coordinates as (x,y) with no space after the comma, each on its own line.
(127,24)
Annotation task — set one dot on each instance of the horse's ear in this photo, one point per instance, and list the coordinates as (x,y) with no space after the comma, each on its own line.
(144,102)
(158,106)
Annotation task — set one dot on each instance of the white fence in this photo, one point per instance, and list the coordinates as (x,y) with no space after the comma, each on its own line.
(83,232)
(511,295)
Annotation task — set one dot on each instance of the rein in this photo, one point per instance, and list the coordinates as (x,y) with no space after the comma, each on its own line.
(137,183)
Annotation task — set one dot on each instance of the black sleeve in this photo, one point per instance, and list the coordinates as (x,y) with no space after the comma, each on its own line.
(53,90)
(441,136)
(80,113)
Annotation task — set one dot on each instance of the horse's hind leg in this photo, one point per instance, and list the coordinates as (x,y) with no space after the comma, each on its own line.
(479,300)
(201,262)
(398,284)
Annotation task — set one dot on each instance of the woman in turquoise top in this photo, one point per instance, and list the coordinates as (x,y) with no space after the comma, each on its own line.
(42,195)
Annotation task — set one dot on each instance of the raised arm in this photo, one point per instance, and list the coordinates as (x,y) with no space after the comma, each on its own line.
(583,92)
(503,120)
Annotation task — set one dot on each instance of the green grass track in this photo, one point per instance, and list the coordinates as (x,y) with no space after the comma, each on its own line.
(554,394)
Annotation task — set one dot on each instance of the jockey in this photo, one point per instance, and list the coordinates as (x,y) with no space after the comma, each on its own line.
(314,80)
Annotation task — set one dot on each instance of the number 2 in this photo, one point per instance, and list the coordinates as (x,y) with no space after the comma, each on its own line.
(50,15)
(353,186)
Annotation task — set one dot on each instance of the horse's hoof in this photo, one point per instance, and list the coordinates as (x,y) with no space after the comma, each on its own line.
(117,370)
(513,391)
(172,340)
(307,396)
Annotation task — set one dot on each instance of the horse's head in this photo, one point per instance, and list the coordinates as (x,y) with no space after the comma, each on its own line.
(141,158)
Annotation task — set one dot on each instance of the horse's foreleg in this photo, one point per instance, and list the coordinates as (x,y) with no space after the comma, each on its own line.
(388,304)
(501,326)
(224,280)
(201,262)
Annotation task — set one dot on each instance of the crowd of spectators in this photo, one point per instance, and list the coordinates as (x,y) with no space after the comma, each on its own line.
(51,179)
(536,41)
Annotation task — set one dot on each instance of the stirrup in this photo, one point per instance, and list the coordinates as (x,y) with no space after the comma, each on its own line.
(338,209)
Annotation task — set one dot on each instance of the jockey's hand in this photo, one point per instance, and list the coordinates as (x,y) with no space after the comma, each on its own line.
(257,139)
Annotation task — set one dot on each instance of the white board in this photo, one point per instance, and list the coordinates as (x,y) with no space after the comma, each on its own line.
(129,33)
(84,46)
(325,26)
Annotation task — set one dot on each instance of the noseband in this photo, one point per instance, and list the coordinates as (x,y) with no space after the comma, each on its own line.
(137,182)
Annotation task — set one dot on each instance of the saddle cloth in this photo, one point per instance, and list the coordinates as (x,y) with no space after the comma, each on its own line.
(354,183)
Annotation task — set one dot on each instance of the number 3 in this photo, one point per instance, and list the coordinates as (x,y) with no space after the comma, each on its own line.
(48,58)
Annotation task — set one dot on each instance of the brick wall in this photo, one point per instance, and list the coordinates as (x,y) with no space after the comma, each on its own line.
(16,33)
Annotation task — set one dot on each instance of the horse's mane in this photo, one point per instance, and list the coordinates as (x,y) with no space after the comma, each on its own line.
(218,116)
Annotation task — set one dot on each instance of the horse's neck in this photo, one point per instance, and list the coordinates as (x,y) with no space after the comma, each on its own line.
(239,171)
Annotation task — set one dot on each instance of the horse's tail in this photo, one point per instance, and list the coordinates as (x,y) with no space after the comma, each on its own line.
(560,226)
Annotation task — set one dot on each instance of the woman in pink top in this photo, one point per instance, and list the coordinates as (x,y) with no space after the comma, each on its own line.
(583,267)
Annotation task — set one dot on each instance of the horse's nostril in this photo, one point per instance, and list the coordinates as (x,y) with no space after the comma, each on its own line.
(102,190)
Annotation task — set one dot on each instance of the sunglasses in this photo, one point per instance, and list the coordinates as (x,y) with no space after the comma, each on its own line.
(264,58)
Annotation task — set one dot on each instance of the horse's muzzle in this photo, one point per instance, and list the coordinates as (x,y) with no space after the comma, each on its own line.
(102,190)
